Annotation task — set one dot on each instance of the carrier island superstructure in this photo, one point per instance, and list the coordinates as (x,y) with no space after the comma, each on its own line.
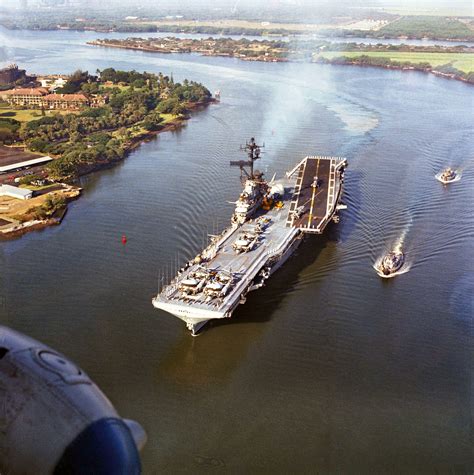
(269,222)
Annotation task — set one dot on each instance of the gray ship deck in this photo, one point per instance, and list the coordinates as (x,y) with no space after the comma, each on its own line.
(315,194)
(244,266)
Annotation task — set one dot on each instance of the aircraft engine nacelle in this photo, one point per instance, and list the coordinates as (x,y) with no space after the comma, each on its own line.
(54,419)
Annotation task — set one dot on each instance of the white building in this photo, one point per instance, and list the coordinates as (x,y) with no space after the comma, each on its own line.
(14,192)
(27,163)
(52,83)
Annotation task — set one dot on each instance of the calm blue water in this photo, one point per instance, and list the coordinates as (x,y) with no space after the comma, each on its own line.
(328,369)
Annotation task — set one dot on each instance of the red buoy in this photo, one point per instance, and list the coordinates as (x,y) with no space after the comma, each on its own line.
(124,239)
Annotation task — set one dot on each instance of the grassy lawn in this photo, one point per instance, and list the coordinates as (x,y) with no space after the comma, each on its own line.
(136,131)
(167,118)
(122,87)
(132,131)
(38,188)
(255,25)
(462,61)
(26,115)
(466,65)
(428,26)
(20,115)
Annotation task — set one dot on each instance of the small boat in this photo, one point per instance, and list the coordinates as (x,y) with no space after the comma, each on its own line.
(391,263)
(447,175)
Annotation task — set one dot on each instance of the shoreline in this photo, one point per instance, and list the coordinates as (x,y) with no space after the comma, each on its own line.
(320,60)
(405,37)
(36,225)
(262,33)
(150,135)
(268,59)
(393,67)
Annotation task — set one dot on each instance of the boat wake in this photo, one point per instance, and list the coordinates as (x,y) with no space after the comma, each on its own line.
(357,119)
(403,270)
(395,250)
(439,176)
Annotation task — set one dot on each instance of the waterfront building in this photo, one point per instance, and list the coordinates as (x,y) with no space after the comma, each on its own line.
(14,192)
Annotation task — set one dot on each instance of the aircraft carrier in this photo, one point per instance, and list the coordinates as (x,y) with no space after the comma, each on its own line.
(269,222)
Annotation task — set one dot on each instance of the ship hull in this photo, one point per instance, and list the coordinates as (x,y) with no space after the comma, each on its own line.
(196,318)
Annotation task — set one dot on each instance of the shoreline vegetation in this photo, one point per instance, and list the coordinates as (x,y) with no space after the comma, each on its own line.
(367,25)
(447,70)
(138,106)
(453,62)
(47,208)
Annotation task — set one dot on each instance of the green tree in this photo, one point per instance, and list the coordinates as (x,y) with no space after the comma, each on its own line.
(75,82)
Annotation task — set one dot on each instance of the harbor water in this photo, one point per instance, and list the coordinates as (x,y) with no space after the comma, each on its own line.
(328,368)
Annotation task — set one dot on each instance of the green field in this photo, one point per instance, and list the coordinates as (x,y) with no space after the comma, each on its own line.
(428,26)
(25,115)
(20,115)
(462,61)
(168,118)
(38,188)
(135,131)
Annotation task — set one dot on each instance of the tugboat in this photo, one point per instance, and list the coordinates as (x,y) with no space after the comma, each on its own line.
(390,264)
(448,175)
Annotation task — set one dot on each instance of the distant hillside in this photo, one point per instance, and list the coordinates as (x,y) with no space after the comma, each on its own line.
(434,27)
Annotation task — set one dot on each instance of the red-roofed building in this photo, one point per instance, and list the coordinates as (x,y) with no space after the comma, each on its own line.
(25,96)
(39,97)
(65,101)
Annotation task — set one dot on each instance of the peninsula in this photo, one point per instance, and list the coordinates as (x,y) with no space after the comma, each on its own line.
(455,62)
(65,127)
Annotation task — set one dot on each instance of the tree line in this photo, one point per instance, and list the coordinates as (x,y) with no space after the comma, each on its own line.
(381,62)
(135,102)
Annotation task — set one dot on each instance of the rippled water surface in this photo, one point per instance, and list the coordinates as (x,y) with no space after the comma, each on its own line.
(328,368)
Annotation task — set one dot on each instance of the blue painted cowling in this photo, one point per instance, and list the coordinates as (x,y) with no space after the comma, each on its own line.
(54,419)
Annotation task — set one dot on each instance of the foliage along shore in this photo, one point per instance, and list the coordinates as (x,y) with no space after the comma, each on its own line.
(46,210)
(445,71)
(137,107)
(316,51)
(438,28)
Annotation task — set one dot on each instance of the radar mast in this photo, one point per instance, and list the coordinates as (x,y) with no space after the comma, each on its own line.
(253,152)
